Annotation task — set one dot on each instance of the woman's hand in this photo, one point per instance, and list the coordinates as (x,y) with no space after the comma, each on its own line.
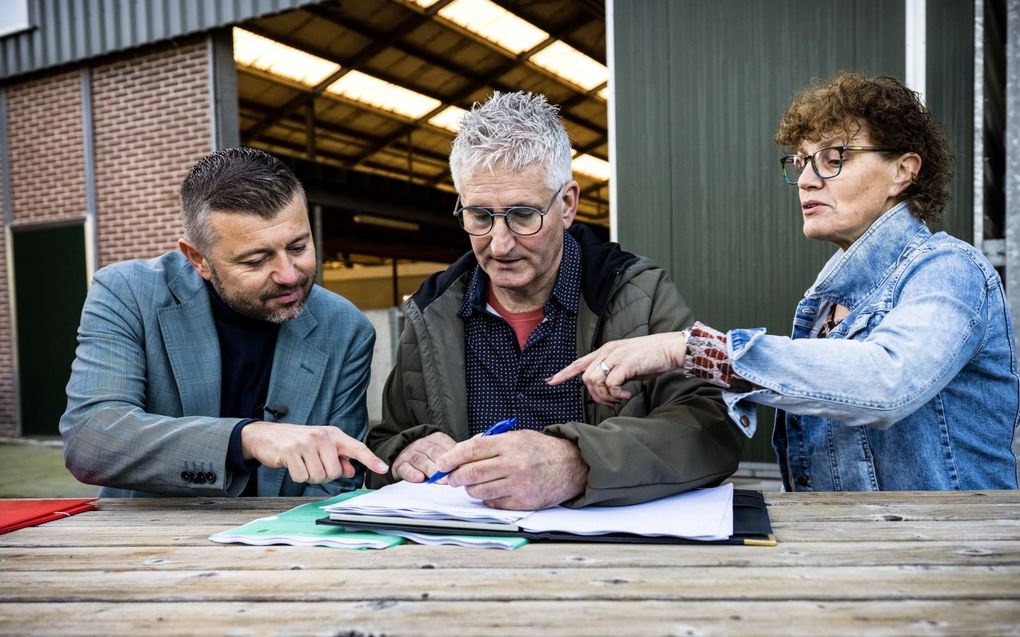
(606,369)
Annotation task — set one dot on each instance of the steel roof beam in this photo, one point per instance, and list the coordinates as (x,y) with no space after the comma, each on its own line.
(407,25)
(479,79)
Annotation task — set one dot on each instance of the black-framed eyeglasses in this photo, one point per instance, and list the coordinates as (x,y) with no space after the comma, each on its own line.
(478,221)
(826,162)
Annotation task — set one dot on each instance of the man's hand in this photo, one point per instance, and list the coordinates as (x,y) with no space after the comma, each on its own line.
(520,470)
(610,366)
(417,461)
(313,454)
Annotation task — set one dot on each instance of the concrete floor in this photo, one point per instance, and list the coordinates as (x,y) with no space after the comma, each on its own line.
(35,469)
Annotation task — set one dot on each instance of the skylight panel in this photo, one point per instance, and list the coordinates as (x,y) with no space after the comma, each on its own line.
(572,65)
(449,118)
(257,52)
(383,95)
(494,23)
(592,166)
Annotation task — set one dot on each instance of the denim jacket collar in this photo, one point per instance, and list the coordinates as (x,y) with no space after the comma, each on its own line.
(852,275)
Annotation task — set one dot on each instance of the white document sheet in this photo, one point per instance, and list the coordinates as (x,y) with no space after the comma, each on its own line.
(471,541)
(425,501)
(704,514)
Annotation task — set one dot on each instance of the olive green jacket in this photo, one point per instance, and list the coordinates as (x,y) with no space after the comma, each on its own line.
(673,435)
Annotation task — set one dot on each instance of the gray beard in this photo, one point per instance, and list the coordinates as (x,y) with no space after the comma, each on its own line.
(257,309)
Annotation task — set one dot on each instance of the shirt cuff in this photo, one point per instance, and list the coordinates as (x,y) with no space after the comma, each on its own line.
(708,358)
(235,455)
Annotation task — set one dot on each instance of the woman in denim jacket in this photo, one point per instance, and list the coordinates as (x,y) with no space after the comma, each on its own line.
(901,370)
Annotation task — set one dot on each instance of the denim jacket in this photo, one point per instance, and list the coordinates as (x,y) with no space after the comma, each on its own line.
(916,389)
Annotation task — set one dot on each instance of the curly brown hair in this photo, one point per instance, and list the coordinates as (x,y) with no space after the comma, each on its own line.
(891,114)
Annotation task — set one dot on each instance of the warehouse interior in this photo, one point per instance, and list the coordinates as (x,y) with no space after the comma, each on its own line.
(363,99)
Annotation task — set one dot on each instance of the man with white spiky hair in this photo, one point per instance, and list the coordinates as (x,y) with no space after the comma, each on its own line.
(536,291)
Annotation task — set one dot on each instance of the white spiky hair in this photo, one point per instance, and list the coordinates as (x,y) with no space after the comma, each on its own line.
(512,131)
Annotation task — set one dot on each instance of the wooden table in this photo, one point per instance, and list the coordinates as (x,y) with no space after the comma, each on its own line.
(847,564)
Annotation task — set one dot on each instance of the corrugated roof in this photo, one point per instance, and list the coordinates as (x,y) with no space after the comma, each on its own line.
(65,31)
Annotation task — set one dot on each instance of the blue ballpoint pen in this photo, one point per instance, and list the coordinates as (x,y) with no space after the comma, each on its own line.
(498,428)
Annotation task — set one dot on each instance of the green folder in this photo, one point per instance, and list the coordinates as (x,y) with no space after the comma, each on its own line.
(297,527)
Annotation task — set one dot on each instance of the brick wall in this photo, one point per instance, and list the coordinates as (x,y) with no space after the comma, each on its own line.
(151,122)
(46,149)
(47,179)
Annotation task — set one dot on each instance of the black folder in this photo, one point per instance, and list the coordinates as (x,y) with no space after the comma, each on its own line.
(751,527)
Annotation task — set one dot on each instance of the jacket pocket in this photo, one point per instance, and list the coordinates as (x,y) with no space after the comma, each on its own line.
(865,323)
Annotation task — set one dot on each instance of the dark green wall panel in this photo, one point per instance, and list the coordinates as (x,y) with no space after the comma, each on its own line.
(950,97)
(699,89)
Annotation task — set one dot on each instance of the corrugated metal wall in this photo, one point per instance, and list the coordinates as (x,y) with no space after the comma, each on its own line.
(699,90)
(950,97)
(70,30)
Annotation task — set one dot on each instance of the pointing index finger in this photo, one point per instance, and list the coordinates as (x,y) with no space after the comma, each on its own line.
(572,369)
(360,452)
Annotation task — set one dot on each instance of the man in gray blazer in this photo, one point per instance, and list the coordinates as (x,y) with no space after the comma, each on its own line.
(222,369)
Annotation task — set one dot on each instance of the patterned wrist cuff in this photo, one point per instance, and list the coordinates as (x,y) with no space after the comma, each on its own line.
(708,356)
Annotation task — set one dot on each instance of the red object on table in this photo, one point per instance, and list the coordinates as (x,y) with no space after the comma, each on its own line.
(17,514)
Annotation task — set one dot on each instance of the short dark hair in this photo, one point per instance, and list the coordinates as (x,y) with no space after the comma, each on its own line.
(893,117)
(243,180)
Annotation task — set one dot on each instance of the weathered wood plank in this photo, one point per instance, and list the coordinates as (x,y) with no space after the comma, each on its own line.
(974,618)
(681,583)
(960,498)
(538,555)
(887,512)
(848,564)
(268,506)
(877,512)
(59,534)
(905,531)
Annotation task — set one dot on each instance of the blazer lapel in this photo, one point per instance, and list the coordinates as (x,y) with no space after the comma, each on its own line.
(296,380)
(192,345)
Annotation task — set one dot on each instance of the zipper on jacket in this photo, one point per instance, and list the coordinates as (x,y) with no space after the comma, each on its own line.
(602,315)
(584,397)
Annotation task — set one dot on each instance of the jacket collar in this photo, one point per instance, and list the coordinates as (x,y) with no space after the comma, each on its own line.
(601,265)
(185,283)
(192,345)
(852,275)
(564,290)
(189,336)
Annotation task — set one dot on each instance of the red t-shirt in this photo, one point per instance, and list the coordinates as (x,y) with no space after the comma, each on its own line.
(522,323)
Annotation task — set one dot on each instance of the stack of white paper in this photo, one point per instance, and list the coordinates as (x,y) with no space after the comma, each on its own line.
(704,514)
(424,501)
(472,541)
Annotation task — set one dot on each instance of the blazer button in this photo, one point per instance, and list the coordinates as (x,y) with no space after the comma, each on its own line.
(199,477)
(186,476)
(210,477)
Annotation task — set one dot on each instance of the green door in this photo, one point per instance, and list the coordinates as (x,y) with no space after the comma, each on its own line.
(50,286)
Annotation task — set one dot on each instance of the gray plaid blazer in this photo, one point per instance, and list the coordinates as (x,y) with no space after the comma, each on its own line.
(144,395)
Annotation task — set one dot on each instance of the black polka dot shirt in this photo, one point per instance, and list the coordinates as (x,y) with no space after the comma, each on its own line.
(504,381)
